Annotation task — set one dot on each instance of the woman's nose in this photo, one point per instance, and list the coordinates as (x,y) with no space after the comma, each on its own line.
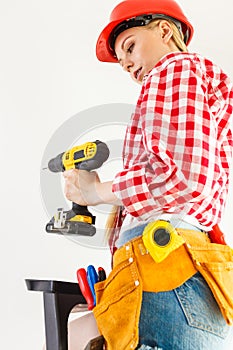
(127,65)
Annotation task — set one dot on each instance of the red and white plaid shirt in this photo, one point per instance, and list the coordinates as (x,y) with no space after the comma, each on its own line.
(178,145)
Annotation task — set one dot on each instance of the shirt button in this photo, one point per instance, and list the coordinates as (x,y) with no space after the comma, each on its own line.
(136,283)
(130,260)
(127,247)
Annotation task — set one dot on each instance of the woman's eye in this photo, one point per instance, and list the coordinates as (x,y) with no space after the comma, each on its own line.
(130,48)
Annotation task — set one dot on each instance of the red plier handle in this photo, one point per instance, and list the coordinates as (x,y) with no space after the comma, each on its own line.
(216,235)
(84,287)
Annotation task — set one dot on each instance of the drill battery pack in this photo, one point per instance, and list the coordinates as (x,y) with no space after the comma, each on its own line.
(71,223)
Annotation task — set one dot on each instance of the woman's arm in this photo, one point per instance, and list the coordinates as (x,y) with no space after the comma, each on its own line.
(84,188)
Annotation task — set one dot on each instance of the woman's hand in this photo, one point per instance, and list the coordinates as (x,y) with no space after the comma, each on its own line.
(84,188)
(80,186)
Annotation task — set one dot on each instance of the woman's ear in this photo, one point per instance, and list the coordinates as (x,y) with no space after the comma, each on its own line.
(165,30)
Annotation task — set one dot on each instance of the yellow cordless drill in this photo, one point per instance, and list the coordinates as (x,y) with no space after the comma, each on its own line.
(78,220)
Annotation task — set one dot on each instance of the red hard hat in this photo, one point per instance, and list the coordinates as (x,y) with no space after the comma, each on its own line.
(129,9)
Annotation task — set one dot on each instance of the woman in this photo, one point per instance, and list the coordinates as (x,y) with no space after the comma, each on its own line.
(173,188)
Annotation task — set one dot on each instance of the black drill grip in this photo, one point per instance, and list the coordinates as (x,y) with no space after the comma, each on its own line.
(102,154)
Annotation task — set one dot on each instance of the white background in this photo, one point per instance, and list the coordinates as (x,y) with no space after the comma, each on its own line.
(48,73)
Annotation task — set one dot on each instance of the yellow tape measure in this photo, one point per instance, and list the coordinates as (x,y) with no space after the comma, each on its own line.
(160,239)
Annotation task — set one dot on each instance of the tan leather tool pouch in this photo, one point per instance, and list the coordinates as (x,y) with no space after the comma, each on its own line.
(119,300)
(215,263)
(119,297)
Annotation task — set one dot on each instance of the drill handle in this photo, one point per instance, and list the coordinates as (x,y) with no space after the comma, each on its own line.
(78,209)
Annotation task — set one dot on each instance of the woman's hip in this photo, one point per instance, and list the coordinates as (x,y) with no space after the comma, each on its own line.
(186,318)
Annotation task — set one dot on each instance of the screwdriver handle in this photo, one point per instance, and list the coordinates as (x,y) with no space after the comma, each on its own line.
(84,287)
(101,274)
(92,278)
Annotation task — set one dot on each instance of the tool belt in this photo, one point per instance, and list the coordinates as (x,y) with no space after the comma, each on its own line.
(119,297)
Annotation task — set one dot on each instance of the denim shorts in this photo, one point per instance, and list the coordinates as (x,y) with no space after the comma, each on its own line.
(186,318)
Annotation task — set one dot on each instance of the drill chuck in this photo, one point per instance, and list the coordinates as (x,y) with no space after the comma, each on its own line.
(56,165)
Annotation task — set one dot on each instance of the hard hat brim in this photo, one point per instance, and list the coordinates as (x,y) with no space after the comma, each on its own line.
(103,51)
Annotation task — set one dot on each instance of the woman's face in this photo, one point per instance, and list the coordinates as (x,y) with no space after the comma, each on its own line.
(138,49)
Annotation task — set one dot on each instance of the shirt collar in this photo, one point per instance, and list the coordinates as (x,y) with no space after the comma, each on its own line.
(165,61)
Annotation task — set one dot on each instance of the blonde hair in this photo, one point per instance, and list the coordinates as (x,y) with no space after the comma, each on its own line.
(110,224)
(177,36)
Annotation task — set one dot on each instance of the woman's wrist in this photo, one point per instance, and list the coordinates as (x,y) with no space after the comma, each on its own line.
(105,194)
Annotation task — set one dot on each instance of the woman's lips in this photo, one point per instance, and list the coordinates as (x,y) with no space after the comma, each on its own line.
(137,73)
